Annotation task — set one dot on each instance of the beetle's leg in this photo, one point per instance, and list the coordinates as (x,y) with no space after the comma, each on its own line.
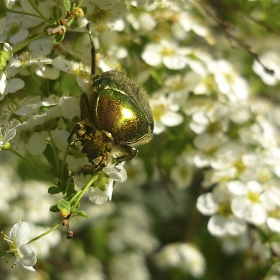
(71,134)
(127,153)
(92,169)
(86,111)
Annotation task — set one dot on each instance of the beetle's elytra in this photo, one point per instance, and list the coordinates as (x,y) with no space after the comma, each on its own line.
(114,115)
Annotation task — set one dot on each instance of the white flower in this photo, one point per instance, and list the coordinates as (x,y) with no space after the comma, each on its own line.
(166,52)
(189,22)
(163,113)
(116,172)
(9,84)
(182,172)
(99,196)
(213,120)
(228,80)
(105,11)
(19,236)
(6,135)
(233,160)
(138,3)
(41,48)
(81,72)
(234,244)
(183,256)
(247,203)
(128,265)
(145,22)
(178,87)
(17,27)
(102,194)
(70,107)
(218,205)
(271,60)
(271,202)
(26,138)
(206,145)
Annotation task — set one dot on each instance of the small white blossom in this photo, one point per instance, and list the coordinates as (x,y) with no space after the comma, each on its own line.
(116,173)
(6,135)
(166,52)
(163,114)
(190,23)
(233,160)
(185,257)
(247,203)
(272,61)
(17,27)
(19,236)
(234,244)
(9,86)
(145,22)
(182,172)
(99,196)
(105,11)
(271,202)
(229,82)
(218,206)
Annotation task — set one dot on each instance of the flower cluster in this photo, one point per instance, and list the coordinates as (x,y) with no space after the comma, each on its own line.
(215,147)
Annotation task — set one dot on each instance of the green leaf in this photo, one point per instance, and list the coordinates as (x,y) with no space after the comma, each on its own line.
(68,4)
(56,13)
(73,23)
(4,57)
(48,153)
(54,208)
(58,38)
(54,190)
(81,214)
(63,204)
(3,9)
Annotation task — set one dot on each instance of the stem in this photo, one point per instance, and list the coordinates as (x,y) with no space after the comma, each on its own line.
(32,165)
(77,197)
(68,181)
(223,26)
(58,168)
(45,233)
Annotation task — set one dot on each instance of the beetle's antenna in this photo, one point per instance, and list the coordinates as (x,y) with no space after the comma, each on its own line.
(93,52)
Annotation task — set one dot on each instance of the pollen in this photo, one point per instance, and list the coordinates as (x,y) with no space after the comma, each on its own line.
(25,58)
(167,52)
(158,111)
(225,209)
(253,197)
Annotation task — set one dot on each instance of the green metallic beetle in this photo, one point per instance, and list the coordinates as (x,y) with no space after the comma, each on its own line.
(114,115)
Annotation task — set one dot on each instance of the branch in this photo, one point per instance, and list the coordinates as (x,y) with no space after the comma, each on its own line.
(224,26)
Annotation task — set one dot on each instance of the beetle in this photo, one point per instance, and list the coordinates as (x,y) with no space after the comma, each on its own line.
(114,115)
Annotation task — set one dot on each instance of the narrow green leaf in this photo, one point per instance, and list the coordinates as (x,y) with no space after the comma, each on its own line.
(54,208)
(54,190)
(81,214)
